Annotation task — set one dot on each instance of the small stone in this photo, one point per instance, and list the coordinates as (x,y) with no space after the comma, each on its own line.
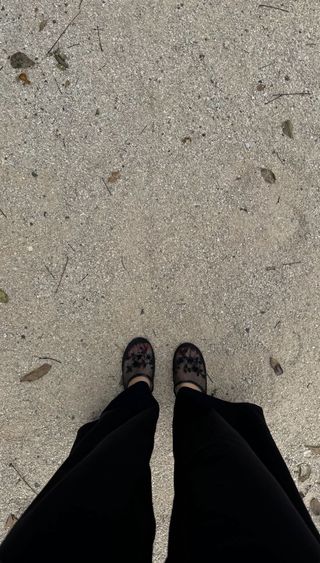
(10,522)
(34,173)
(42,25)
(315,506)
(304,472)
(276,366)
(287,128)
(268,175)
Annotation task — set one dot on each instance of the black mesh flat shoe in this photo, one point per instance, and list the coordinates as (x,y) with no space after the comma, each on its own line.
(138,359)
(189,367)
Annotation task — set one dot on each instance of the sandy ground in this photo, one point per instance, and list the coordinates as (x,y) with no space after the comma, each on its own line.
(132,202)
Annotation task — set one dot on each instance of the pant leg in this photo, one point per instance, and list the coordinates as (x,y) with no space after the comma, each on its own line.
(248,420)
(228,505)
(98,505)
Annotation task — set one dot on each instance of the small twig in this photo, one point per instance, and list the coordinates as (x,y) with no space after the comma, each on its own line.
(66,28)
(3,213)
(279,157)
(273,268)
(84,277)
(62,274)
(265,66)
(106,185)
(49,358)
(102,67)
(273,8)
(273,99)
(278,200)
(56,81)
(73,45)
(277,96)
(291,263)
(68,243)
(142,130)
(48,270)
(123,264)
(99,38)
(22,478)
(277,324)
(210,378)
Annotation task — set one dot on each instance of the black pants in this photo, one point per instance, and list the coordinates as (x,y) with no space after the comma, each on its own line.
(234,497)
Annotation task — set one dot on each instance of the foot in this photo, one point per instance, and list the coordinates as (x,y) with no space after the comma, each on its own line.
(189,368)
(138,363)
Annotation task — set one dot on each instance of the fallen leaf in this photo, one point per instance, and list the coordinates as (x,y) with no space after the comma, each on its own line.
(268,175)
(185,140)
(10,522)
(276,366)
(42,25)
(36,373)
(114,177)
(261,87)
(287,128)
(3,296)
(24,78)
(20,60)
(304,472)
(61,60)
(315,506)
(314,449)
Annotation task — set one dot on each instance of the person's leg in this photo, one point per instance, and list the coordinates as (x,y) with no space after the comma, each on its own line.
(248,420)
(98,506)
(228,505)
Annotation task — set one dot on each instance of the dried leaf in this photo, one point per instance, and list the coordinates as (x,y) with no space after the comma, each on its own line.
(24,78)
(36,373)
(315,506)
(114,177)
(314,449)
(185,140)
(287,128)
(3,296)
(276,366)
(61,60)
(261,87)
(268,175)
(20,60)
(42,25)
(10,522)
(304,472)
